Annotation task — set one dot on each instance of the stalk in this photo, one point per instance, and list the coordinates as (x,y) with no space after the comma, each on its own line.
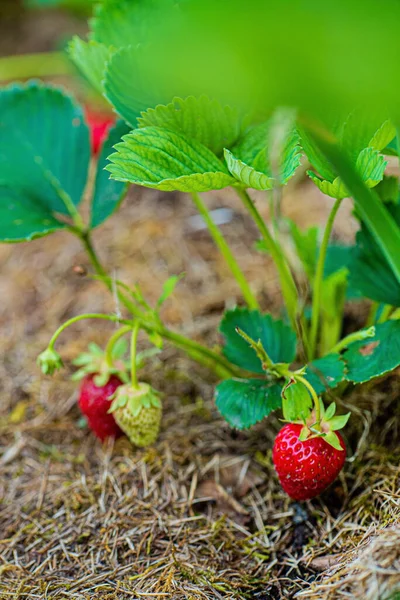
(64,326)
(288,286)
(353,337)
(369,206)
(318,281)
(25,66)
(135,333)
(112,341)
(201,354)
(314,396)
(226,252)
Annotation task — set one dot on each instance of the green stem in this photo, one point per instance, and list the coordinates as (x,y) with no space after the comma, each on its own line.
(43,64)
(369,206)
(318,281)
(64,326)
(372,314)
(225,251)
(216,362)
(314,396)
(112,341)
(135,333)
(385,313)
(353,337)
(395,315)
(289,290)
(86,239)
(201,354)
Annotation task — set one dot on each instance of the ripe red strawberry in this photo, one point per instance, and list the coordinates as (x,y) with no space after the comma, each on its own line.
(95,401)
(99,124)
(306,468)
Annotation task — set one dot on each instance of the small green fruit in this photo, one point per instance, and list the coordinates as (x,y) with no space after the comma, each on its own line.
(49,361)
(138,412)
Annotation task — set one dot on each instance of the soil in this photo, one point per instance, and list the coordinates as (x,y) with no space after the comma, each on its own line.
(200,515)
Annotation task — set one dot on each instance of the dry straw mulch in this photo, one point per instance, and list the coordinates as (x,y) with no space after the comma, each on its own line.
(199,515)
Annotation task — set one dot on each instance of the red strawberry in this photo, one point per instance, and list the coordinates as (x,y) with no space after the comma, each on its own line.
(306,468)
(95,401)
(99,124)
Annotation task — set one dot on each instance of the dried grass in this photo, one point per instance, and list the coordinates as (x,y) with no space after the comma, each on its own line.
(199,515)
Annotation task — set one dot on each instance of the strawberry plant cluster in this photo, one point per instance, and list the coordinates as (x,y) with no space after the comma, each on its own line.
(195,144)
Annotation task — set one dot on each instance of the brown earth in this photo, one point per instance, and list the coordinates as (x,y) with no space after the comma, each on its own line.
(200,514)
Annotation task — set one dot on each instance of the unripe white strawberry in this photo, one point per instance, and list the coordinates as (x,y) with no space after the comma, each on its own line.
(138,412)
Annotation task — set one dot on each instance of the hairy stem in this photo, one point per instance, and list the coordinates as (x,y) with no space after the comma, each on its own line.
(113,340)
(201,354)
(318,281)
(225,251)
(289,290)
(25,66)
(64,326)
(135,333)
(314,396)
(353,337)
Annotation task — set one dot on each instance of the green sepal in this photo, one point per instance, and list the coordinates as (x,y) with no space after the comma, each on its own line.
(330,411)
(332,439)
(304,433)
(95,362)
(134,399)
(339,421)
(49,361)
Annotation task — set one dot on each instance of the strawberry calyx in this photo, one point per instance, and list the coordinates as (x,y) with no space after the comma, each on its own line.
(326,427)
(135,398)
(101,364)
(49,361)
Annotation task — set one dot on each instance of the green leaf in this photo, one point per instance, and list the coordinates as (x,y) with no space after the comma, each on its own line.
(168,161)
(90,58)
(327,372)
(296,402)
(47,153)
(249,160)
(278,339)
(371,166)
(317,160)
(306,243)
(128,87)
(245,402)
(121,23)
(363,129)
(369,206)
(247,175)
(169,288)
(388,189)
(334,189)
(108,193)
(207,121)
(23,218)
(382,138)
(360,136)
(376,356)
(370,272)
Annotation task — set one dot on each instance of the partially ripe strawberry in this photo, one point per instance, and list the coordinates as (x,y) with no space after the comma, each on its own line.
(95,401)
(306,468)
(99,124)
(138,412)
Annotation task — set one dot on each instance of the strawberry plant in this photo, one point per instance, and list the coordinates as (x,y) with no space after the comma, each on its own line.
(195,144)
